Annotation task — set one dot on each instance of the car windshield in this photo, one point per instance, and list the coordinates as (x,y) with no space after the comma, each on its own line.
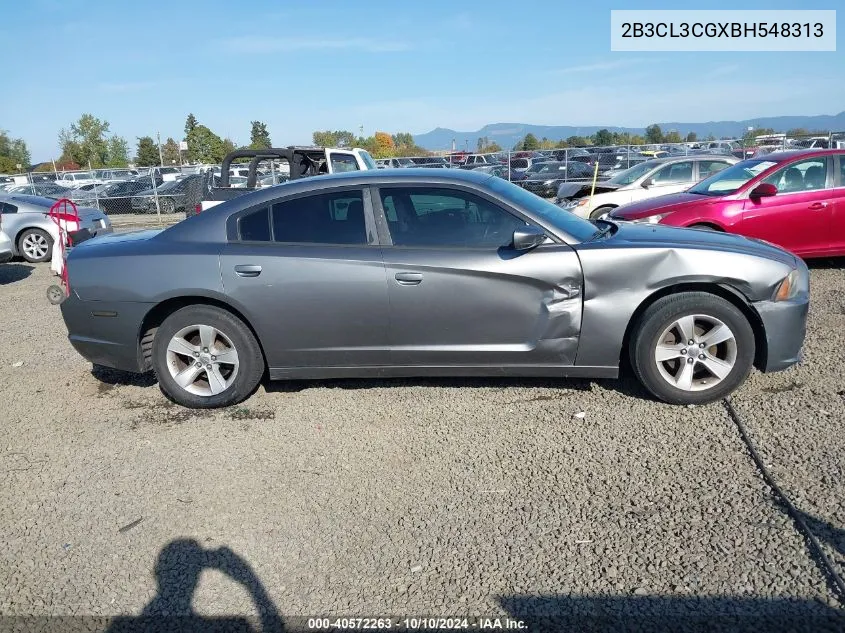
(732,179)
(631,174)
(548,167)
(569,223)
(535,168)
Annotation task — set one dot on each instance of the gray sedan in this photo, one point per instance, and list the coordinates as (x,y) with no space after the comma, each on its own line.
(24,219)
(419,273)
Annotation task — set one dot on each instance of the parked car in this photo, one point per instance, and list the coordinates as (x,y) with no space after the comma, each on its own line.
(467,275)
(546,179)
(74,180)
(650,179)
(521,168)
(794,199)
(6,247)
(117,197)
(501,171)
(474,160)
(173,195)
(24,219)
(395,163)
(115,175)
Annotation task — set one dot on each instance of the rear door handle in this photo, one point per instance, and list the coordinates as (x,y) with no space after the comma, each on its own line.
(818,205)
(248,270)
(409,279)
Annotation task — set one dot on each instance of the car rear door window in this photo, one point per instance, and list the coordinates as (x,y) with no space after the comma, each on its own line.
(255,226)
(434,217)
(327,218)
(805,175)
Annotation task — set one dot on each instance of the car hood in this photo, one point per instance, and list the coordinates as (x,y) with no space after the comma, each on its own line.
(662,236)
(661,204)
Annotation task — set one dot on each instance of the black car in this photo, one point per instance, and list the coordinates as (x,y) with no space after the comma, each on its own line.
(173,196)
(118,197)
(547,177)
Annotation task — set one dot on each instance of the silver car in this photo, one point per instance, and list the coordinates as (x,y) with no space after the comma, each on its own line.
(6,252)
(24,219)
(420,272)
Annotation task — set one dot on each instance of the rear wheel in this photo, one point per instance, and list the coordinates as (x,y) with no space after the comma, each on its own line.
(692,348)
(35,245)
(705,227)
(205,357)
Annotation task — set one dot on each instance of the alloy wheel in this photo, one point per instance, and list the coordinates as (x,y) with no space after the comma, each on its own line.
(202,360)
(35,246)
(696,352)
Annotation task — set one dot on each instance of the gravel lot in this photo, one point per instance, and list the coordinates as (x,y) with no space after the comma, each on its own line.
(422,497)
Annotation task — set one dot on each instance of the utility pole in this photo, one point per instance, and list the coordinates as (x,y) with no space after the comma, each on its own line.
(160,156)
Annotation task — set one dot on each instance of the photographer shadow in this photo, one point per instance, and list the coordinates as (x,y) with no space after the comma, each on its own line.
(178,568)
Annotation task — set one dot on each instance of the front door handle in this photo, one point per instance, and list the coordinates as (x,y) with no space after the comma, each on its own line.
(409,279)
(818,205)
(248,270)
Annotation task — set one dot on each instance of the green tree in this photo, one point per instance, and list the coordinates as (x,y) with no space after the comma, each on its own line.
(636,139)
(710,137)
(204,146)
(147,152)
(118,152)
(530,142)
(653,134)
(692,137)
(228,145)
(259,137)
(190,123)
(85,142)
(489,148)
(603,137)
(798,131)
(750,135)
(672,137)
(170,151)
(577,141)
(13,152)
(403,140)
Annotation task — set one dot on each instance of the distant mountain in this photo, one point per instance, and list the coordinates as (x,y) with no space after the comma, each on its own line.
(507,134)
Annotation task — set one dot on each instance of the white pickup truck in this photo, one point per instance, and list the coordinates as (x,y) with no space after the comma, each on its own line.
(301,162)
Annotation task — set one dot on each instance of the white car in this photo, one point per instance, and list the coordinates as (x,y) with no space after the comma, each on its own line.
(650,179)
(76,179)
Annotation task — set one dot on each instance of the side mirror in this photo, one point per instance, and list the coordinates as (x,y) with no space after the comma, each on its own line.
(764,190)
(648,182)
(527,238)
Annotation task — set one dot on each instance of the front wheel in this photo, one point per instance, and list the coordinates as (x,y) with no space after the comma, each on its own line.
(205,358)
(597,213)
(692,348)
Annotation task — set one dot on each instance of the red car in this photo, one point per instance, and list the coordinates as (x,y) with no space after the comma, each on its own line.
(793,199)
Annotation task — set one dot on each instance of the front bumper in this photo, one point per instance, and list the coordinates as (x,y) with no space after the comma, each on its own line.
(105,333)
(785,325)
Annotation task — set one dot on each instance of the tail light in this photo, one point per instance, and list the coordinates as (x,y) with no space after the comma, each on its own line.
(198,208)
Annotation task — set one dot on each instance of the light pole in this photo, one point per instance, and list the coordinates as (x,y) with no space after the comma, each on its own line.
(160,157)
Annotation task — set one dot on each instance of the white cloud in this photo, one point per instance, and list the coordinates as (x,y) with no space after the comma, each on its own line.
(612,64)
(261,44)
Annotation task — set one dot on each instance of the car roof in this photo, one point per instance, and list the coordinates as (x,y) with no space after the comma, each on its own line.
(795,153)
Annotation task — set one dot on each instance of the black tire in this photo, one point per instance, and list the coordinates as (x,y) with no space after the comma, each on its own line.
(167,206)
(251,360)
(659,316)
(35,235)
(594,215)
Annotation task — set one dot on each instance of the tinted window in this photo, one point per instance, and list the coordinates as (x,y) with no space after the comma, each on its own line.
(805,175)
(328,218)
(255,227)
(343,162)
(446,217)
(707,168)
(5,207)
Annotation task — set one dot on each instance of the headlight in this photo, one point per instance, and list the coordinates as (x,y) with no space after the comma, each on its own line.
(791,285)
(650,219)
(580,202)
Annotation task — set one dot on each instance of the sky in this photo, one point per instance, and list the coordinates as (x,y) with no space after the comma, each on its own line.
(391,66)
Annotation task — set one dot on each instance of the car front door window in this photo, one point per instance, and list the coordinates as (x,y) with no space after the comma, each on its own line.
(674,174)
(707,168)
(805,175)
(438,218)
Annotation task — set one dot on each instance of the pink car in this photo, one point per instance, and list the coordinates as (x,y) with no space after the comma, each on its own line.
(793,199)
